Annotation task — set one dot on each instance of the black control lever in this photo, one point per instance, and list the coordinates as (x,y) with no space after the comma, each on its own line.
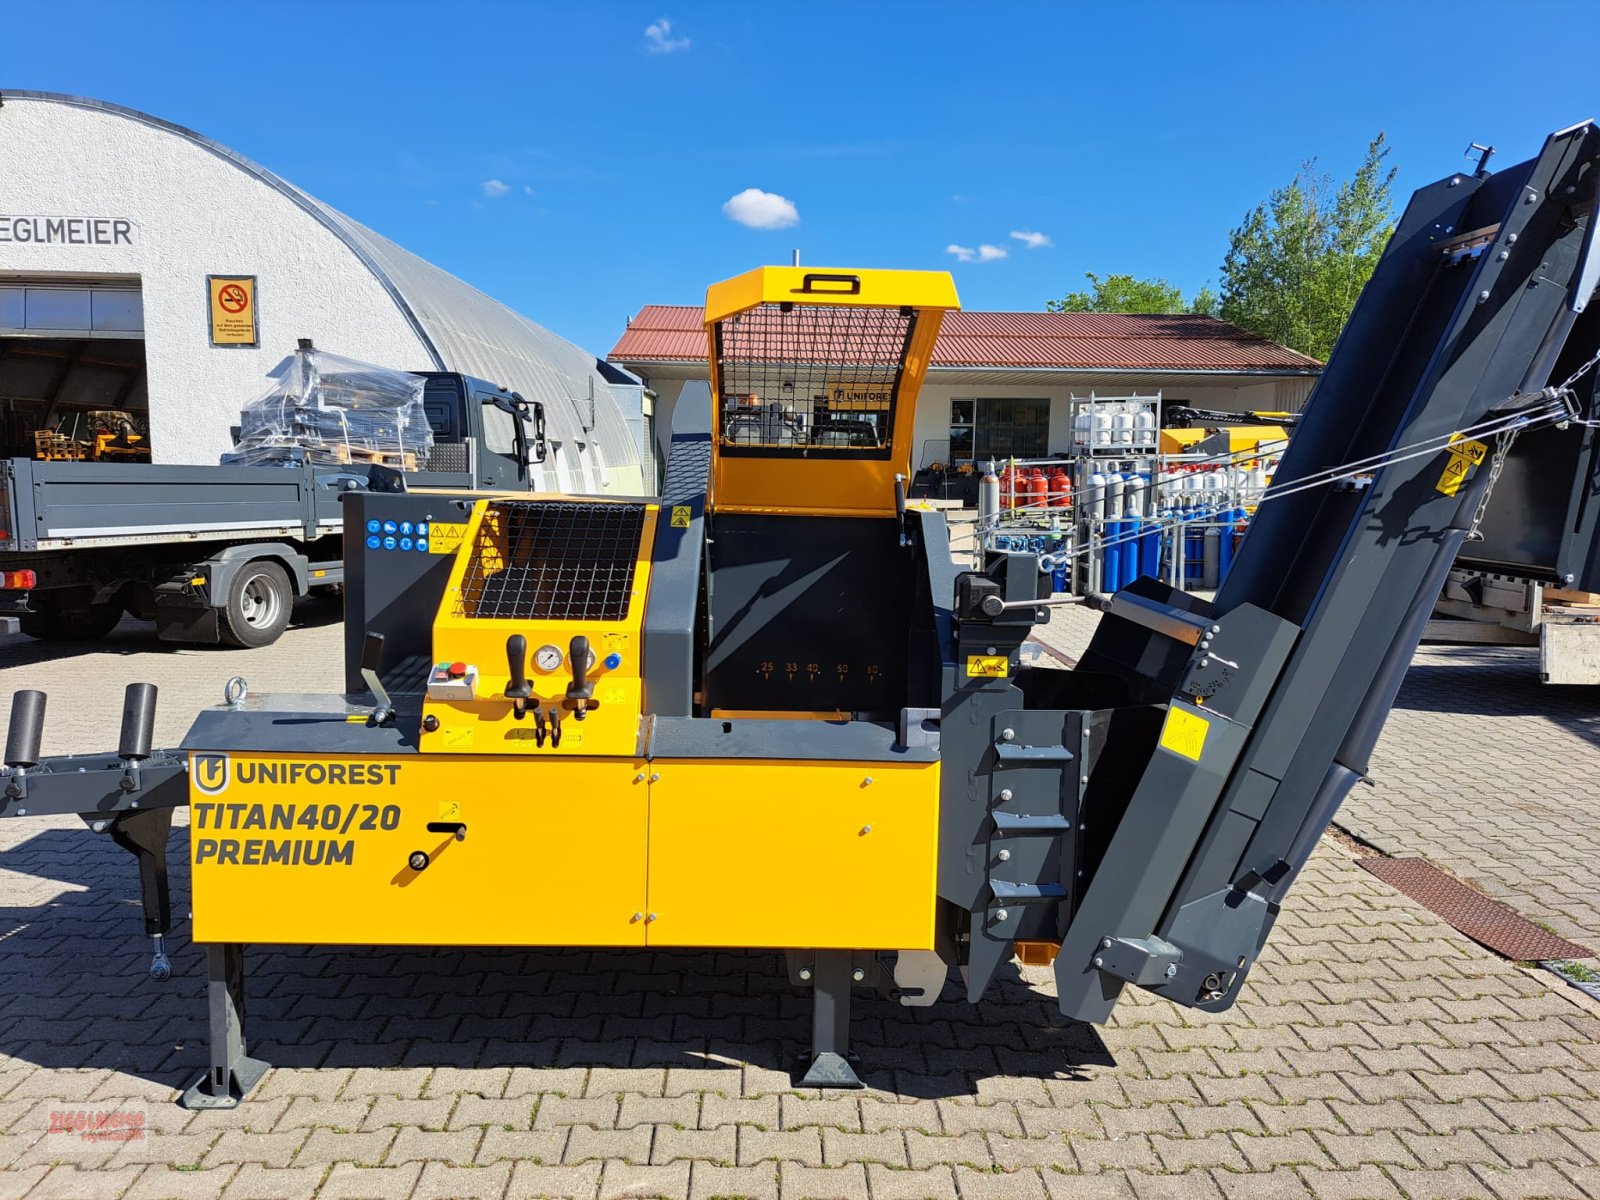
(22,740)
(581,690)
(138,727)
(518,689)
(371,656)
(555,726)
(538,727)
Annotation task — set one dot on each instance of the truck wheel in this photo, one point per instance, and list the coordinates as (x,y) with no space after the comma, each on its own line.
(55,622)
(259,600)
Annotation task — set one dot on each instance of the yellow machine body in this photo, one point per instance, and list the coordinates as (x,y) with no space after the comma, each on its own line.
(509,578)
(575,852)
(814,382)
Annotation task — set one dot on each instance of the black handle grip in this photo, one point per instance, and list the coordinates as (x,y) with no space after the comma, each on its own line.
(578,658)
(371,651)
(809,281)
(27,726)
(517,665)
(138,721)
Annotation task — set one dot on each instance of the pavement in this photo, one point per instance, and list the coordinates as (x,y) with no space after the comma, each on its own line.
(1375,1052)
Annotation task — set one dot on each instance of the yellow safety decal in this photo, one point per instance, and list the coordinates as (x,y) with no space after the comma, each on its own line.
(680,516)
(986,666)
(1465,453)
(1185,733)
(444,539)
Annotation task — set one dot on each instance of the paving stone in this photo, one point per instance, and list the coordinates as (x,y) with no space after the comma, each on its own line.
(530,1181)
(609,1145)
(256,1182)
(441,1181)
(161,1182)
(346,1181)
(999,1185)
(796,1182)
(623,1181)
(931,1183)
(708,1181)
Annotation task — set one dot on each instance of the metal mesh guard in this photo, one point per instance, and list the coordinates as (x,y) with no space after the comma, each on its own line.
(552,560)
(798,376)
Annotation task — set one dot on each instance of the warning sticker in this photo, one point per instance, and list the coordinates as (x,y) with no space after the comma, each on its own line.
(449,810)
(445,539)
(1464,454)
(233,310)
(680,516)
(986,666)
(1185,733)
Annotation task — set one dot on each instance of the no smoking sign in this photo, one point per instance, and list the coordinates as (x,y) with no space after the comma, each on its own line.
(233,310)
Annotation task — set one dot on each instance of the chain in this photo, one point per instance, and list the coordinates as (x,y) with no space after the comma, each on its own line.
(1502,447)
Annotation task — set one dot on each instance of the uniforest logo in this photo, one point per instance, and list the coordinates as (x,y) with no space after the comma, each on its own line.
(212,774)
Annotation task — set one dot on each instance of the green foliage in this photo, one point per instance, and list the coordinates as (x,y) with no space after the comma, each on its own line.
(1121,294)
(1296,265)
(1125,294)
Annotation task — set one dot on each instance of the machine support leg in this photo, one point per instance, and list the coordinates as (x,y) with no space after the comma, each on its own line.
(830,1022)
(232,1072)
(143,834)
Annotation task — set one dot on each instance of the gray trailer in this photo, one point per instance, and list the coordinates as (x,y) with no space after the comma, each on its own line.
(220,554)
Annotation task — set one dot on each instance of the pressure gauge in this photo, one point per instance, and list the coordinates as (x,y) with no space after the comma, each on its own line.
(548,658)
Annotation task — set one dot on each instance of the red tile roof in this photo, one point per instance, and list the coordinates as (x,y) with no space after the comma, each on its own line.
(1181,342)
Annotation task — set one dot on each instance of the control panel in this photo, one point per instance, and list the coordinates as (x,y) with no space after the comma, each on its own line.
(536,643)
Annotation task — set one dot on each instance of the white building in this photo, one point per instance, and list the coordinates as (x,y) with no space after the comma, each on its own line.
(113,225)
(1000,384)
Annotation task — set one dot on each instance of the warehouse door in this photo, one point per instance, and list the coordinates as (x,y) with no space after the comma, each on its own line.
(72,369)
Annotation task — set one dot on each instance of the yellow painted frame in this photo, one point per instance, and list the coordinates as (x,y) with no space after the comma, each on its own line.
(835,486)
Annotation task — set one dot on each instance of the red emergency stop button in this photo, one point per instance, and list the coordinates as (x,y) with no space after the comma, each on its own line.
(457,670)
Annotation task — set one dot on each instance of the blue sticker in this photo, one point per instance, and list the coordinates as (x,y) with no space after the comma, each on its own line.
(405,543)
(390,527)
(422,544)
(405,526)
(373,526)
(388,543)
(374,542)
(422,529)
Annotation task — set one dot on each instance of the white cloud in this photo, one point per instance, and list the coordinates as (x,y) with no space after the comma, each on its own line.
(659,39)
(527,191)
(493,188)
(982,253)
(762,210)
(1032,239)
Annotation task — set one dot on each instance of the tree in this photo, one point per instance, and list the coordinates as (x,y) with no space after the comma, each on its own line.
(1125,294)
(1121,294)
(1296,265)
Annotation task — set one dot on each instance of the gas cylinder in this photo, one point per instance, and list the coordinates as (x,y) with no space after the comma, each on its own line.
(1060,488)
(988,494)
(1122,426)
(1038,488)
(1007,481)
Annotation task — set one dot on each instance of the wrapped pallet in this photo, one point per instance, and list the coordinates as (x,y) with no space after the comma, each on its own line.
(327,409)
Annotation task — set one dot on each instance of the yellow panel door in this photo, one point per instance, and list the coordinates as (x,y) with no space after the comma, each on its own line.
(359,851)
(802,854)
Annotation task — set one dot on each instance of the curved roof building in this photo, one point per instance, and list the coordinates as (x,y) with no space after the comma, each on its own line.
(112,223)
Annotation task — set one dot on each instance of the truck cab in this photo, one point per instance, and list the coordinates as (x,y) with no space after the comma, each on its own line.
(485,432)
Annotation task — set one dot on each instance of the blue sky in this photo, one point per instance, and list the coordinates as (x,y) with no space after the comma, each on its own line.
(576,166)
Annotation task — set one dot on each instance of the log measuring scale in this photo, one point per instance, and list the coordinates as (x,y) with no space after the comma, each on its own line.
(767,710)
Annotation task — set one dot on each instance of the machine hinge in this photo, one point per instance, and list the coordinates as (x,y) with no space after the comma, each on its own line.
(1023,824)
(1141,961)
(1027,893)
(1011,754)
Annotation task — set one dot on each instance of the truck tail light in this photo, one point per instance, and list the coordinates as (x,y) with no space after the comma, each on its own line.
(18,581)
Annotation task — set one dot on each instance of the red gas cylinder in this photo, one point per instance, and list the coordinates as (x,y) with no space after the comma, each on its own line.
(1060,488)
(1038,488)
(1008,481)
